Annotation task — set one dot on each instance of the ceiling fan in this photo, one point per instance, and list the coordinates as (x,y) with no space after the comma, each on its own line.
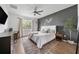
(36,12)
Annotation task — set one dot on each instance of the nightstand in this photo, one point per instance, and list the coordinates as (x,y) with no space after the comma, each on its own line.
(59,36)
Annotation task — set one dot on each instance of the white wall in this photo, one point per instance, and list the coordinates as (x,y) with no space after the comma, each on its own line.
(34,25)
(13,21)
(78,18)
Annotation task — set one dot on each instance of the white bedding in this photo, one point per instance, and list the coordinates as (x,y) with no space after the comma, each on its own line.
(42,38)
(46,34)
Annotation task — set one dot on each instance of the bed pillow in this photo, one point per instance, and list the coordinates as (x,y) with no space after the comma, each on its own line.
(52,31)
(48,29)
(44,30)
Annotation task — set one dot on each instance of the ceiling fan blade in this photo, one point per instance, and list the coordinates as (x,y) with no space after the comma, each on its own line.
(40,11)
(37,12)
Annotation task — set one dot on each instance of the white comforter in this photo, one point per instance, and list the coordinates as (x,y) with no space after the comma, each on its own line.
(42,38)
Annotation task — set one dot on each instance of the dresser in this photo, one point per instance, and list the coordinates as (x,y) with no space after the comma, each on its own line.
(5,42)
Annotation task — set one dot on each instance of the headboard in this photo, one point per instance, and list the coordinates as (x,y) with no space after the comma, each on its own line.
(48,29)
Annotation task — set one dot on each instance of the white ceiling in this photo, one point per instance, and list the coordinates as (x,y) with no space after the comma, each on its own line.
(27,9)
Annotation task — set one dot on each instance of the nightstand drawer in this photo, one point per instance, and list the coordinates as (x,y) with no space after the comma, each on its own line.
(59,36)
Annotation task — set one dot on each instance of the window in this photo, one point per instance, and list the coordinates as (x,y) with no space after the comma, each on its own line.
(27,24)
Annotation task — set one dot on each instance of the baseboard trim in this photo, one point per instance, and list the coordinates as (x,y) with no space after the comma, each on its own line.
(69,41)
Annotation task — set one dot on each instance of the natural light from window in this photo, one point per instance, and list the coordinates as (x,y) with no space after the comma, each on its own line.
(27,26)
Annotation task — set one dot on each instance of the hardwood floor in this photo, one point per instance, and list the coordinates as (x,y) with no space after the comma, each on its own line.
(17,47)
(53,47)
(57,47)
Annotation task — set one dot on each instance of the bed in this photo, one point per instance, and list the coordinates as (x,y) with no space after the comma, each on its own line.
(45,35)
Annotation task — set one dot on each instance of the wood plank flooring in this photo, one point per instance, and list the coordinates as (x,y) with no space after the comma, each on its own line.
(53,47)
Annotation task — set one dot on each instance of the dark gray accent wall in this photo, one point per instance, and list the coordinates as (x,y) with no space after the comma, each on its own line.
(59,18)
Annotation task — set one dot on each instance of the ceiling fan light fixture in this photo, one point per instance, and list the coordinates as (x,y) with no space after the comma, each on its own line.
(36,12)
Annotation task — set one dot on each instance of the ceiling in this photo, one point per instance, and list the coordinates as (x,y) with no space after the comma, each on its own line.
(27,9)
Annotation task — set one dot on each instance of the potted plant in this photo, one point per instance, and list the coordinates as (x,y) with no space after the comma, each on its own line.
(70,24)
